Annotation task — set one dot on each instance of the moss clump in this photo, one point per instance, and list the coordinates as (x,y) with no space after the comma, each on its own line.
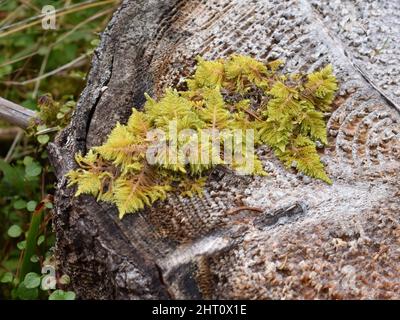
(170,145)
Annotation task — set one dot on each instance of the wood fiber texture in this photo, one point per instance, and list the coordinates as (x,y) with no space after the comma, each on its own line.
(312,240)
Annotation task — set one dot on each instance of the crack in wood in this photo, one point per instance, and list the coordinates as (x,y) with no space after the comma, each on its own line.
(339,44)
(272,218)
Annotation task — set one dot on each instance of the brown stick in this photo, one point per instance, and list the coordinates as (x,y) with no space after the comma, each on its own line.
(235,210)
(15,114)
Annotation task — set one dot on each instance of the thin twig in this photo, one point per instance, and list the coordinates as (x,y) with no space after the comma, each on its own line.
(41,71)
(44,76)
(61,38)
(243,208)
(48,130)
(27,23)
(13,146)
(19,59)
(252,114)
(94,17)
(17,139)
(11,16)
(30,5)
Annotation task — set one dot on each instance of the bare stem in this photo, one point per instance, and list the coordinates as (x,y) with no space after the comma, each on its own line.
(74,62)
(10,152)
(244,208)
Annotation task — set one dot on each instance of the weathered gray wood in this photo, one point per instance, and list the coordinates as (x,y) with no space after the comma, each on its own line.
(341,243)
(15,114)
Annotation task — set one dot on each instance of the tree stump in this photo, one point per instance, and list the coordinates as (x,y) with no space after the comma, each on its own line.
(312,240)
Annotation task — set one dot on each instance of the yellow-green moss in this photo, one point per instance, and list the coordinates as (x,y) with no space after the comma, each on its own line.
(285,112)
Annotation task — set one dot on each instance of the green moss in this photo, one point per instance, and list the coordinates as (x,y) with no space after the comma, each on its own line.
(228,96)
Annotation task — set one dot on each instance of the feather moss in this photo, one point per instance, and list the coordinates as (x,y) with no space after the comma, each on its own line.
(284,112)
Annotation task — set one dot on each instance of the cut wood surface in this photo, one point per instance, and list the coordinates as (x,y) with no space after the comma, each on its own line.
(311,240)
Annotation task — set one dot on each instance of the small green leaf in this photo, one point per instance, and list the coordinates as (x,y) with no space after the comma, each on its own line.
(32,280)
(34,258)
(65,109)
(40,240)
(5,70)
(20,204)
(70,104)
(62,295)
(31,205)
(14,231)
(43,50)
(7,277)
(12,181)
(43,138)
(25,293)
(21,245)
(41,127)
(95,42)
(28,160)
(33,169)
(48,205)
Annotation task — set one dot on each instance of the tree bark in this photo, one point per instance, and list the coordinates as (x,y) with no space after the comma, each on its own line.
(311,240)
